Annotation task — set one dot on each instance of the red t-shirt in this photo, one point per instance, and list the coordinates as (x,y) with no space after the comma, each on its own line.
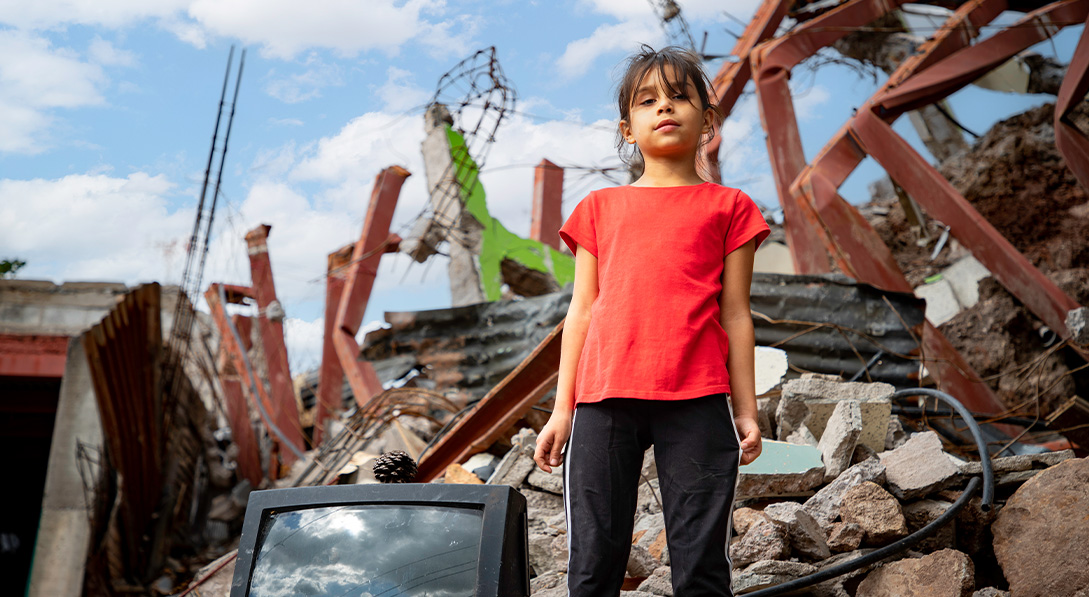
(655,331)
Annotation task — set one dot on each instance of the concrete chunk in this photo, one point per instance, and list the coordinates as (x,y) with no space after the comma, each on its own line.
(1018,463)
(768,573)
(919,467)
(782,469)
(947,573)
(806,535)
(820,397)
(771,366)
(764,541)
(837,444)
(824,506)
(876,511)
(845,536)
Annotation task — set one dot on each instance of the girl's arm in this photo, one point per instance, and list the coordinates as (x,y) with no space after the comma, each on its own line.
(737,321)
(558,429)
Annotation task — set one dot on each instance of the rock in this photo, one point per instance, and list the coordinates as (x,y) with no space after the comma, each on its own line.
(1041,534)
(845,536)
(766,408)
(541,507)
(789,415)
(635,594)
(820,397)
(744,518)
(991,592)
(650,467)
(457,475)
(512,469)
(824,506)
(973,524)
(649,498)
(482,465)
(919,467)
(1018,463)
(895,436)
(658,583)
(650,529)
(540,553)
(764,541)
(806,535)
(548,580)
(559,591)
(559,552)
(876,511)
(550,482)
(862,453)
(782,469)
(837,443)
(802,436)
(923,512)
(525,441)
(768,573)
(947,573)
(640,563)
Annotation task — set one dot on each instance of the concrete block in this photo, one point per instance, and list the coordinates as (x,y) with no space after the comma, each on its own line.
(845,536)
(837,443)
(782,469)
(802,436)
(512,469)
(919,467)
(768,573)
(824,506)
(1018,463)
(964,276)
(764,541)
(820,397)
(876,511)
(550,482)
(771,366)
(941,301)
(806,536)
(947,573)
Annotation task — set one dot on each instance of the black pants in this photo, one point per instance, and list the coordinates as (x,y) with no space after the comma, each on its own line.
(697,453)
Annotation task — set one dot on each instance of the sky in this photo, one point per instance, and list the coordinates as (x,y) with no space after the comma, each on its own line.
(107,111)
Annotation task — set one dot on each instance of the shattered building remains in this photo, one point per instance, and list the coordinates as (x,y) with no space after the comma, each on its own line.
(147,440)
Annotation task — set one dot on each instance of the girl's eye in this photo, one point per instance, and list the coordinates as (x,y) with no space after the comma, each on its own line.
(647,101)
(680,96)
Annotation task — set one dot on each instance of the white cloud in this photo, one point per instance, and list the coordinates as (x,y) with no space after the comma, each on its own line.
(46,14)
(283,28)
(93,227)
(105,53)
(36,78)
(306,85)
(690,9)
(400,92)
(580,54)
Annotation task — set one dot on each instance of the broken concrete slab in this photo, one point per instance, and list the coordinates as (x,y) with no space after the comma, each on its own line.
(824,506)
(820,397)
(745,518)
(947,573)
(768,573)
(782,469)
(1040,536)
(919,467)
(764,541)
(640,563)
(837,443)
(941,301)
(512,469)
(789,415)
(895,436)
(1018,463)
(806,536)
(771,366)
(659,583)
(876,511)
(801,436)
(550,482)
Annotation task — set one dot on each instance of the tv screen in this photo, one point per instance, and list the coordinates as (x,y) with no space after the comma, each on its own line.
(411,540)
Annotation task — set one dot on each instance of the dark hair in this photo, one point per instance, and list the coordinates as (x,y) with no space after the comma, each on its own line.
(686,67)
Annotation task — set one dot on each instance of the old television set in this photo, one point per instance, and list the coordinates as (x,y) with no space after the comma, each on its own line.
(383,541)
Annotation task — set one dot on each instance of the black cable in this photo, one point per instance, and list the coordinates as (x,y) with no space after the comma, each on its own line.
(928,530)
(938,106)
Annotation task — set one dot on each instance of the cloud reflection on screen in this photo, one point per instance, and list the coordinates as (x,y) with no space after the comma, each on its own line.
(369,551)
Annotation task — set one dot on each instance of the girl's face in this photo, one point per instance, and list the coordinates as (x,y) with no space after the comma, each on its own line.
(665,124)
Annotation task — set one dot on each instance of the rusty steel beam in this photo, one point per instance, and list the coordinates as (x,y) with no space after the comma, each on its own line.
(237,355)
(507,402)
(238,412)
(730,80)
(331,374)
(1069,140)
(373,242)
(547,216)
(285,409)
(33,355)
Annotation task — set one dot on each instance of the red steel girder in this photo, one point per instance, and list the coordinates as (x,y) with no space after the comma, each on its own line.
(285,410)
(730,80)
(331,374)
(33,355)
(374,241)
(547,216)
(507,402)
(238,412)
(1069,140)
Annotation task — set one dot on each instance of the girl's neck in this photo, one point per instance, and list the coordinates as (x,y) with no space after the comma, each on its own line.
(668,173)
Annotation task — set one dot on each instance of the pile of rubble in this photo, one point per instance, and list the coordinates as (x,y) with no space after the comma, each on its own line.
(839,478)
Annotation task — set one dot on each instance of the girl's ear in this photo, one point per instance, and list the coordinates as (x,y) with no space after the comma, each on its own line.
(625,132)
(709,117)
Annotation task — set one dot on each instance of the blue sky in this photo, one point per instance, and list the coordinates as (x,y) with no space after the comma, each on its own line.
(107,108)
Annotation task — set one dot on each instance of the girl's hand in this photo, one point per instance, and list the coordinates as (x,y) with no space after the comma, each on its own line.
(551,441)
(751,442)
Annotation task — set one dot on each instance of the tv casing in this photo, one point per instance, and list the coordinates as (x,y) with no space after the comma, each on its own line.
(503,565)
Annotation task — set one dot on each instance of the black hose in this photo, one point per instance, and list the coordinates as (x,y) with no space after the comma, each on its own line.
(928,530)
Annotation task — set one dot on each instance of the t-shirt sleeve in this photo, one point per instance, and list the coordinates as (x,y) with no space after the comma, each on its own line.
(746,224)
(580,227)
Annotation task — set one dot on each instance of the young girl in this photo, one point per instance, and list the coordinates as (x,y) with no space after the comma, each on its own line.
(658,344)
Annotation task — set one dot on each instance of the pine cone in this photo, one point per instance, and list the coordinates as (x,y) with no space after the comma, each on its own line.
(395,467)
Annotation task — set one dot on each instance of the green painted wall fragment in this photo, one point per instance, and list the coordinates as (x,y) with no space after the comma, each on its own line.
(498,243)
